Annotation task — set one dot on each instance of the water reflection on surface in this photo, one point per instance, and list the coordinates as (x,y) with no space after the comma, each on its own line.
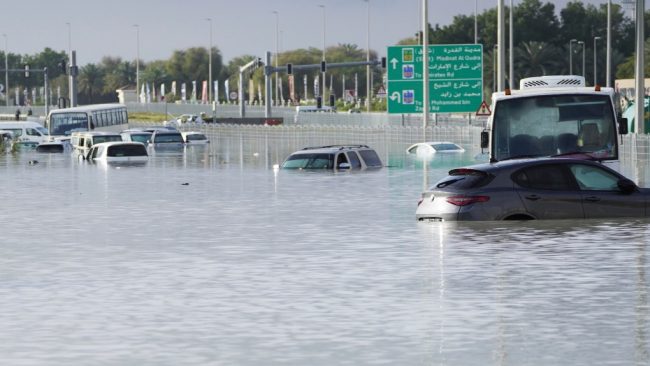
(206,257)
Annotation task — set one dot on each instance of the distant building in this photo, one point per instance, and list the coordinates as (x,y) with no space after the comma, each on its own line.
(127,94)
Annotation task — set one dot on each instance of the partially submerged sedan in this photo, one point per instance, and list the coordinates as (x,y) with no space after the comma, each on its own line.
(529,189)
(118,152)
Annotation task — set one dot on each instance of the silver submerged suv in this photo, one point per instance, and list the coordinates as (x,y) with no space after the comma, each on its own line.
(334,157)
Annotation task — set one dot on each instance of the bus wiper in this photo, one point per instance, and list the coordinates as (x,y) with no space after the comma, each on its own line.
(574,152)
(522,156)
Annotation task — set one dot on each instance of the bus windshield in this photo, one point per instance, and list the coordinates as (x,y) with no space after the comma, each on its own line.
(546,125)
(65,123)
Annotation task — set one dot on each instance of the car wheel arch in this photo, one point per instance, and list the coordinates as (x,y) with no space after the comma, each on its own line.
(519,217)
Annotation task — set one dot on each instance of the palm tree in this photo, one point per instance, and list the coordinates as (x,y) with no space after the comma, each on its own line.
(91,80)
(537,59)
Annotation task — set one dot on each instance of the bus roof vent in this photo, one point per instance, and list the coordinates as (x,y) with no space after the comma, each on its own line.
(552,81)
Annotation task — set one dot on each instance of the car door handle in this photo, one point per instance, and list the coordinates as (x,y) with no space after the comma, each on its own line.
(533,197)
(592,199)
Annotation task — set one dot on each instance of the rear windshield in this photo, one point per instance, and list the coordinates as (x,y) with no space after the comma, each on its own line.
(371,158)
(168,137)
(463,179)
(127,150)
(196,137)
(100,139)
(309,161)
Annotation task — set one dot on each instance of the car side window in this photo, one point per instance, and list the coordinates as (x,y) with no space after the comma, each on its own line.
(340,159)
(593,178)
(355,163)
(32,132)
(546,177)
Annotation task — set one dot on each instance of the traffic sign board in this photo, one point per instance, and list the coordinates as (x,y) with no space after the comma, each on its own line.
(455,78)
(483,110)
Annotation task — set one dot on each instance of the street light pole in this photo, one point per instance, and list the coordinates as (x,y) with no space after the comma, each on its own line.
(571,55)
(7,72)
(595,63)
(210,63)
(368,60)
(583,57)
(137,61)
(511,61)
(609,44)
(323,93)
(475,21)
(277,55)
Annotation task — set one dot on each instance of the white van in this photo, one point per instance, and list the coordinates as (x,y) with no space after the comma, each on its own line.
(26,131)
(82,141)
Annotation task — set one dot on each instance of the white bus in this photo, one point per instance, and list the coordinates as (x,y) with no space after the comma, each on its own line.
(101,117)
(554,115)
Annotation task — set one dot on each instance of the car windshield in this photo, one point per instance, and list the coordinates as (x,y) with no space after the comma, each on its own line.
(140,137)
(309,161)
(43,130)
(554,124)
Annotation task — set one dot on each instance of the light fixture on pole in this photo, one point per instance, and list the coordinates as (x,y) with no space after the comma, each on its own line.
(475,21)
(69,39)
(323,93)
(571,55)
(210,63)
(368,94)
(277,56)
(137,61)
(595,62)
(582,43)
(6,72)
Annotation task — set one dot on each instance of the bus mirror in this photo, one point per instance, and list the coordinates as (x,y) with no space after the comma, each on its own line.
(622,125)
(485,139)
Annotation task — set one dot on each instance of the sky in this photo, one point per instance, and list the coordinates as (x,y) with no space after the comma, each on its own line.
(241,27)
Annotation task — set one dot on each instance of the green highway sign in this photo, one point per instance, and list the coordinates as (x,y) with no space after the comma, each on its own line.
(455,78)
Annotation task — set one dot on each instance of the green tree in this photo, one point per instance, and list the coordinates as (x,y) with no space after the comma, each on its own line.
(91,80)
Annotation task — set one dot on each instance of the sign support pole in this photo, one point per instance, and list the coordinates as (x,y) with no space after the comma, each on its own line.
(425,67)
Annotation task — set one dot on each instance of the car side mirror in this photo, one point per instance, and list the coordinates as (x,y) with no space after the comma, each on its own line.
(622,125)
(344,166)
(485,139)
(626,186)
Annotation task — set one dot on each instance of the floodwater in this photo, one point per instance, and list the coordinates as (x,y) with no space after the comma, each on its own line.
(194,260)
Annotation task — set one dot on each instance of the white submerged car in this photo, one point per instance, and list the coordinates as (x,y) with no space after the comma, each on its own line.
(118,152)
(195,138)
(434,147)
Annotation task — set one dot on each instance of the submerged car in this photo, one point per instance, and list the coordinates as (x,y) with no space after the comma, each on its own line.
(136,136)
(167,138)
(434,147)
(334,157)
(118,152)
(529,189)
(195,138)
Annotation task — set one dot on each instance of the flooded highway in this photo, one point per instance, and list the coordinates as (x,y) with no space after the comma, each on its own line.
(199,258)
